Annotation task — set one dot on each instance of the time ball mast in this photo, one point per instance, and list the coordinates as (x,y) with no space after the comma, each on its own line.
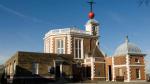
(91,13)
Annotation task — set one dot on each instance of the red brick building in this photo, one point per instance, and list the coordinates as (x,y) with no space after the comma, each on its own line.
(127,64)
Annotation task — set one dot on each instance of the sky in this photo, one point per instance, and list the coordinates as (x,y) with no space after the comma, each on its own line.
(23,23)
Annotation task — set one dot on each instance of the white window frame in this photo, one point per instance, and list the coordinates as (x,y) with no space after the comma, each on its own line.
(81,40)
(59,49)
(138,60)
(120,72)
(49,68)
(14,67)
(35,68)
(138,73)
(11,69)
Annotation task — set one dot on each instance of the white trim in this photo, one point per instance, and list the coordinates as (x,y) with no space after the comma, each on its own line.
(35,68)
(37,72)
(69,46)
(135,81)
(128,68)
(139,74)
(87,63)
(113,78)
(120,65)
(108,74)
(100,62)
(54,66)
(51,45)
(65,31)
(136,65)
(82,49)
(99,77)
(92,69)
(126,65)
(120,72)
(61,70)
(44,46)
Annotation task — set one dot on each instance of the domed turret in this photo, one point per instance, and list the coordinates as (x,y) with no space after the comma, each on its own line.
(127,48)
(92,26)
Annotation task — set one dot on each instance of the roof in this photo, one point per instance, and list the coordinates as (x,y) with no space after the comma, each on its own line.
(127,48)
(93,21)
(97,52)
(39,55)
(65,31)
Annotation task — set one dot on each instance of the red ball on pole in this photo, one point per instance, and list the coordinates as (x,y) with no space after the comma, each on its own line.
(91,15)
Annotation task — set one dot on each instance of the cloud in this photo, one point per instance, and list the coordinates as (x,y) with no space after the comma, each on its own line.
(17,13)
(115,16)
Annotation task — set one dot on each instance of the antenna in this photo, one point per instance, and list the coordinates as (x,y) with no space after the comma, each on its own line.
(91,2)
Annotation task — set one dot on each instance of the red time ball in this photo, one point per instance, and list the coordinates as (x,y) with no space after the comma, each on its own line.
(91,15)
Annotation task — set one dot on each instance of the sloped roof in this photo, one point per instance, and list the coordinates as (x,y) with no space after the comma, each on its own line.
(97,52)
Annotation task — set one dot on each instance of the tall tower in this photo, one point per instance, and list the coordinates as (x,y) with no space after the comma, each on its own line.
(92,26)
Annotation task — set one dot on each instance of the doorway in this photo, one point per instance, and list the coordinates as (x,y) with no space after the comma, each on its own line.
(109,73)
(57,71)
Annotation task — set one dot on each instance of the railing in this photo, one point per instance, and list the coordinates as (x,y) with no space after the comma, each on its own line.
(66,31)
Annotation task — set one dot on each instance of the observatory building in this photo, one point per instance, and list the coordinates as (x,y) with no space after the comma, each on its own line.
(75,54)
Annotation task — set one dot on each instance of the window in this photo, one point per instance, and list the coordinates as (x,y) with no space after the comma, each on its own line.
(60,46)
(51,70)
(11,68)
(78,49)
(120,72)
(35,68)
(138,76)
(137,60)
(98,72)
(14,67)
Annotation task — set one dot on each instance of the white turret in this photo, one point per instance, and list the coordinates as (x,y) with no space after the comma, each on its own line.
(92,26)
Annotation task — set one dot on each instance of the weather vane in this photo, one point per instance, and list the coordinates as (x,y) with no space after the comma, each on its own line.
(91,2)
(91,14)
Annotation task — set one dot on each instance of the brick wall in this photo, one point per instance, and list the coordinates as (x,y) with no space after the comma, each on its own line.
(133,72)
(119,60)
(140,58)
(100,70)
(124,72)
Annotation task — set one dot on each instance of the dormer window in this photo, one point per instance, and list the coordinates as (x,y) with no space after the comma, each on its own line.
(137,60)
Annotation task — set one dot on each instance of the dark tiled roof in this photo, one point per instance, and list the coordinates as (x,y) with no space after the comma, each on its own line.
(97,53)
